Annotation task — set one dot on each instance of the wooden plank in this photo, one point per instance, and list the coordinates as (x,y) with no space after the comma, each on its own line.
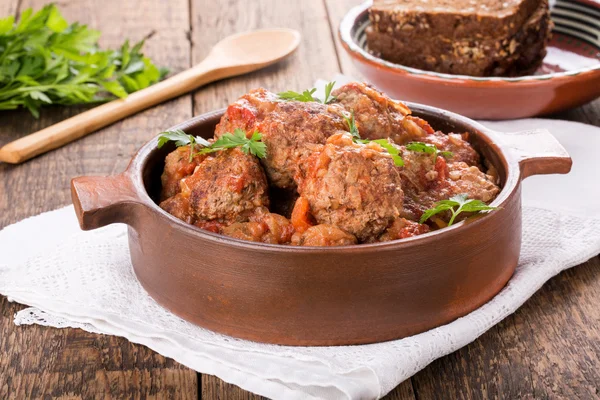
(214,388)
(315,58)
(8,7)
(44,362)
(588,114)
(336,9)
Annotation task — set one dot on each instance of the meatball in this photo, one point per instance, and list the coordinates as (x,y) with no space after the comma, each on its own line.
(402,229)
(471,181)
(263,226)
(323,235)
(461,149)
(452,179)
(226,187)
(289,129)
(377,116)
(355,187)
(177,167)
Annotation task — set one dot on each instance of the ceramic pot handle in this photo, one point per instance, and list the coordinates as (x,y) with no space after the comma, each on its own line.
(103,200)
(537,151)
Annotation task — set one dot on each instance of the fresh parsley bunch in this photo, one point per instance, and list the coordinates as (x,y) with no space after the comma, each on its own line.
(44,60)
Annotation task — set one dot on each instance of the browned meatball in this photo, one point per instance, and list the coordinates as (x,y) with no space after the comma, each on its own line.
(461,149)
(377,116)
(177,167)
(355,187)
(323,235)
(471,181)
(402,229)
(263,227)
(289,129)
(225,187)
(450,179)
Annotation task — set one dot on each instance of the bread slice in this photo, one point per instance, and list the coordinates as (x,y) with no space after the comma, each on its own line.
(506,55)
(453,19)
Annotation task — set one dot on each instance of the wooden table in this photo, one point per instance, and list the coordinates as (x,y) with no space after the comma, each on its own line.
(550,348)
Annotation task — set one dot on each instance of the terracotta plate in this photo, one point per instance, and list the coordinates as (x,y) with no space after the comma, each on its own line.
(569,77)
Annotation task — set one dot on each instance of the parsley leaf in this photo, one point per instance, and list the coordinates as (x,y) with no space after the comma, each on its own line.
(456,205)
(46,60)
(305,96)
(252,145)
(328,89)
(428,149)
(385,143)
(393,150)
(182,139)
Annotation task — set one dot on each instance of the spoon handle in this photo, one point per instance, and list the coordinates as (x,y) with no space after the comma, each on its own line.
(66,131)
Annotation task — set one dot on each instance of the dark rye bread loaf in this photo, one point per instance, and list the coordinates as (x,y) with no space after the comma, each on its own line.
(481,54)
(454,19)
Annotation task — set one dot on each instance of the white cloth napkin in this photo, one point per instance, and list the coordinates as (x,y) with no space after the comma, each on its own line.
(85,280)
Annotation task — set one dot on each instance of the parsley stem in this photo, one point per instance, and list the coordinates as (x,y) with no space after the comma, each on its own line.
(454,214)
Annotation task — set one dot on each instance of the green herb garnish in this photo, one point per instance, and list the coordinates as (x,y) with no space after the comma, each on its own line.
(44,60)
(182,139)
(352,126)
(428,149)
(328,89)
(385,143)
(394,152)
(307,95)
(252,145)
(456,205)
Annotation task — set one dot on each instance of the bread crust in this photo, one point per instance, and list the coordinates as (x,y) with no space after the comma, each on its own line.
(454,19)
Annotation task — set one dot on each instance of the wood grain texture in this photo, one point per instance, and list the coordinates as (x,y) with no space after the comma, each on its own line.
(336,9)
(40,362)
(214,388)
(8,7)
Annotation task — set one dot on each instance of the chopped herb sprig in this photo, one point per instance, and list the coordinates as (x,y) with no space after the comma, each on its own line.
(456,205)
(304,97)
(427,148)
(385,143)
(238,138)
(307,95)
(252,145)
(328,88)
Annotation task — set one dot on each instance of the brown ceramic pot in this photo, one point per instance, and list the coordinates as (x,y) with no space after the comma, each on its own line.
(314,295)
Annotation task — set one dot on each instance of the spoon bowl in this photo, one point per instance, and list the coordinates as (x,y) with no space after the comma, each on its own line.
(256,49)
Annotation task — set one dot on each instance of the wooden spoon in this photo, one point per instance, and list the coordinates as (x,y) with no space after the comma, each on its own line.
(234,55)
